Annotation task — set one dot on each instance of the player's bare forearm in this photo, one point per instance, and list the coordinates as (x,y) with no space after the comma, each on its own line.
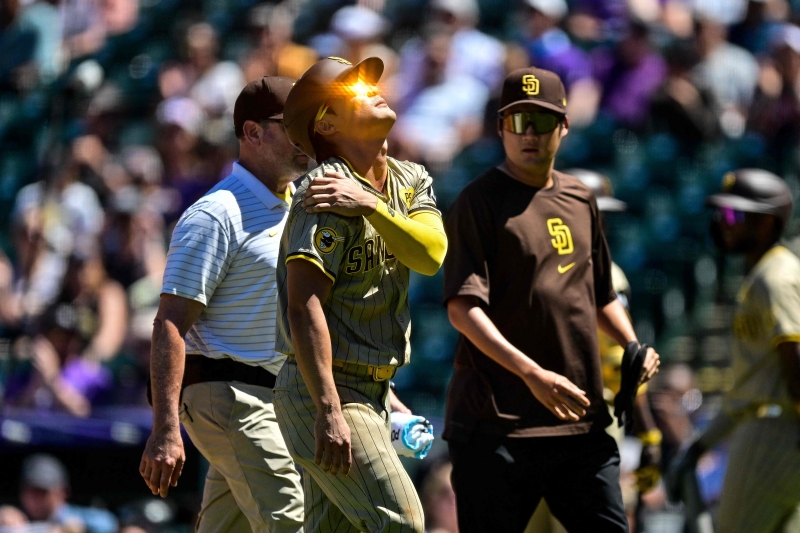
(554,391)
(643,420)
(613,320)
(308,288)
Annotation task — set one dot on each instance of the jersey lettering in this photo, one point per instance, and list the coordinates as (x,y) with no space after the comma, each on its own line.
(354,262)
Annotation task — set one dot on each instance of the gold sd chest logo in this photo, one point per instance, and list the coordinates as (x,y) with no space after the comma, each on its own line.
(562,236)
(530,85)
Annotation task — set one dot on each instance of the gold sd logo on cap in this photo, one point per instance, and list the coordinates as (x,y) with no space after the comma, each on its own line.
(728,180)
(530,85)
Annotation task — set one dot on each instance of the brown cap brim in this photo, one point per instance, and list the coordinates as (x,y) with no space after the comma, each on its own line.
(741,203)
(545,105)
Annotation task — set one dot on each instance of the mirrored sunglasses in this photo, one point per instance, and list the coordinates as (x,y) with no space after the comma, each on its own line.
(542,122)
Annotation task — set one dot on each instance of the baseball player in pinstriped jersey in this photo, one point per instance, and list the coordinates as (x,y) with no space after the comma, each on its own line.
(762,483)
(360,221)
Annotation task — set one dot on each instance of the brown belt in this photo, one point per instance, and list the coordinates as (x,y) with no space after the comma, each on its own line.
(202,369)
(377,372)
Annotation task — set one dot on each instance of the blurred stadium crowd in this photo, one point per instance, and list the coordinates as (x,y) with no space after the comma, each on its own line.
(115,115)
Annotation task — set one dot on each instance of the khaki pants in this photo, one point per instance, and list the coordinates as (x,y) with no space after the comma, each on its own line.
(252,484)
(377,495)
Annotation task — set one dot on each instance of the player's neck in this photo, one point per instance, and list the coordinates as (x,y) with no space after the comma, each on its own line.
(541,178)
(754,256)
(367,159)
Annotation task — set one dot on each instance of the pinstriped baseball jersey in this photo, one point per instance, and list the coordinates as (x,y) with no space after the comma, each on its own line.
(767,315)
(367,311)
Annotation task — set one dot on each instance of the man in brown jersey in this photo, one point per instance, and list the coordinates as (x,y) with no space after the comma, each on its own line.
(527,283)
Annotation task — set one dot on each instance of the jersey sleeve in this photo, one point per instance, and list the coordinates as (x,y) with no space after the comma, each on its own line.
(466,265)
(321,238)
(199,257)
(423,198)
(784,297)
(601,262)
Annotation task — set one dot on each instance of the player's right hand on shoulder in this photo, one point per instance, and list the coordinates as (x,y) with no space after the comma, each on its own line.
(332,436)
(162,460)
(562,397)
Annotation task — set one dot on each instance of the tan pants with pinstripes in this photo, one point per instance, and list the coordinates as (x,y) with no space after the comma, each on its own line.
(377,495)
(761,491)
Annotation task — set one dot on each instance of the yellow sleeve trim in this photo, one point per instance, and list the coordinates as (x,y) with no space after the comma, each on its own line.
(311,260)
(780,339)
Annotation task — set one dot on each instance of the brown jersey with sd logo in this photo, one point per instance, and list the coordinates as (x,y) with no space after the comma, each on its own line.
(539,263)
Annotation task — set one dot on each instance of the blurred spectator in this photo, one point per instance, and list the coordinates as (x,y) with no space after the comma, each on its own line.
(119,16)
(728,71)
(181,122)
(473,53)
(630,74)
(775,113)
(17,44)
(681,109)
(275,54)
(439,500)
(549,47)
(215,84)
(84,327)
(361,32)
(44,490)
(84,32)
(754,32)
(30,44)
(446,114)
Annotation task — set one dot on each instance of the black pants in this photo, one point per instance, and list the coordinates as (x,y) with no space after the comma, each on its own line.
(499,482)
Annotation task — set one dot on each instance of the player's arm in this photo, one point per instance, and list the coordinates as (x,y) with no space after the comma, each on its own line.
(790,363)
(562,397)
(419,241)
(308,288)
(163,457)
(613,320)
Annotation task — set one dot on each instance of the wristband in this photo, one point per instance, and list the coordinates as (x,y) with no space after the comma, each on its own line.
(650,438)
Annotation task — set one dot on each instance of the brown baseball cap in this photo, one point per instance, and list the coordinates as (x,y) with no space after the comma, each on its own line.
(534,86)
(261,99)
(754,190)
(323,81)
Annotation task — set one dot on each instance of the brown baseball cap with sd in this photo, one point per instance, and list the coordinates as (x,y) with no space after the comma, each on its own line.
(261,99)
(323,81)
(754,190)
(534,86)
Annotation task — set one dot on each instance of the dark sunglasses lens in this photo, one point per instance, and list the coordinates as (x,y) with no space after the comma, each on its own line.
(731,216)
(518,122)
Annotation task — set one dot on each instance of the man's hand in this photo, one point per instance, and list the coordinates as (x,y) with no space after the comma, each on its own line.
(562,397)
(650,367)
(396,406)
(162,460)
(332,436)
(338,194)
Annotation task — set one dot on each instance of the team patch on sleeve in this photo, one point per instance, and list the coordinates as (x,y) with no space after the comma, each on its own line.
(326,240)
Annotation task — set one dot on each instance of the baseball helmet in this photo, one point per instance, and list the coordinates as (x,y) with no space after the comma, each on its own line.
(754,190)
(601,187)
(319,85)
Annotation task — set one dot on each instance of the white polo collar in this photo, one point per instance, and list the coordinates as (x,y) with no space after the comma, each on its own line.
(260,190)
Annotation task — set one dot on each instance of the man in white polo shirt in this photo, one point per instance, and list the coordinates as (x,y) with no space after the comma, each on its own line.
(213,362)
